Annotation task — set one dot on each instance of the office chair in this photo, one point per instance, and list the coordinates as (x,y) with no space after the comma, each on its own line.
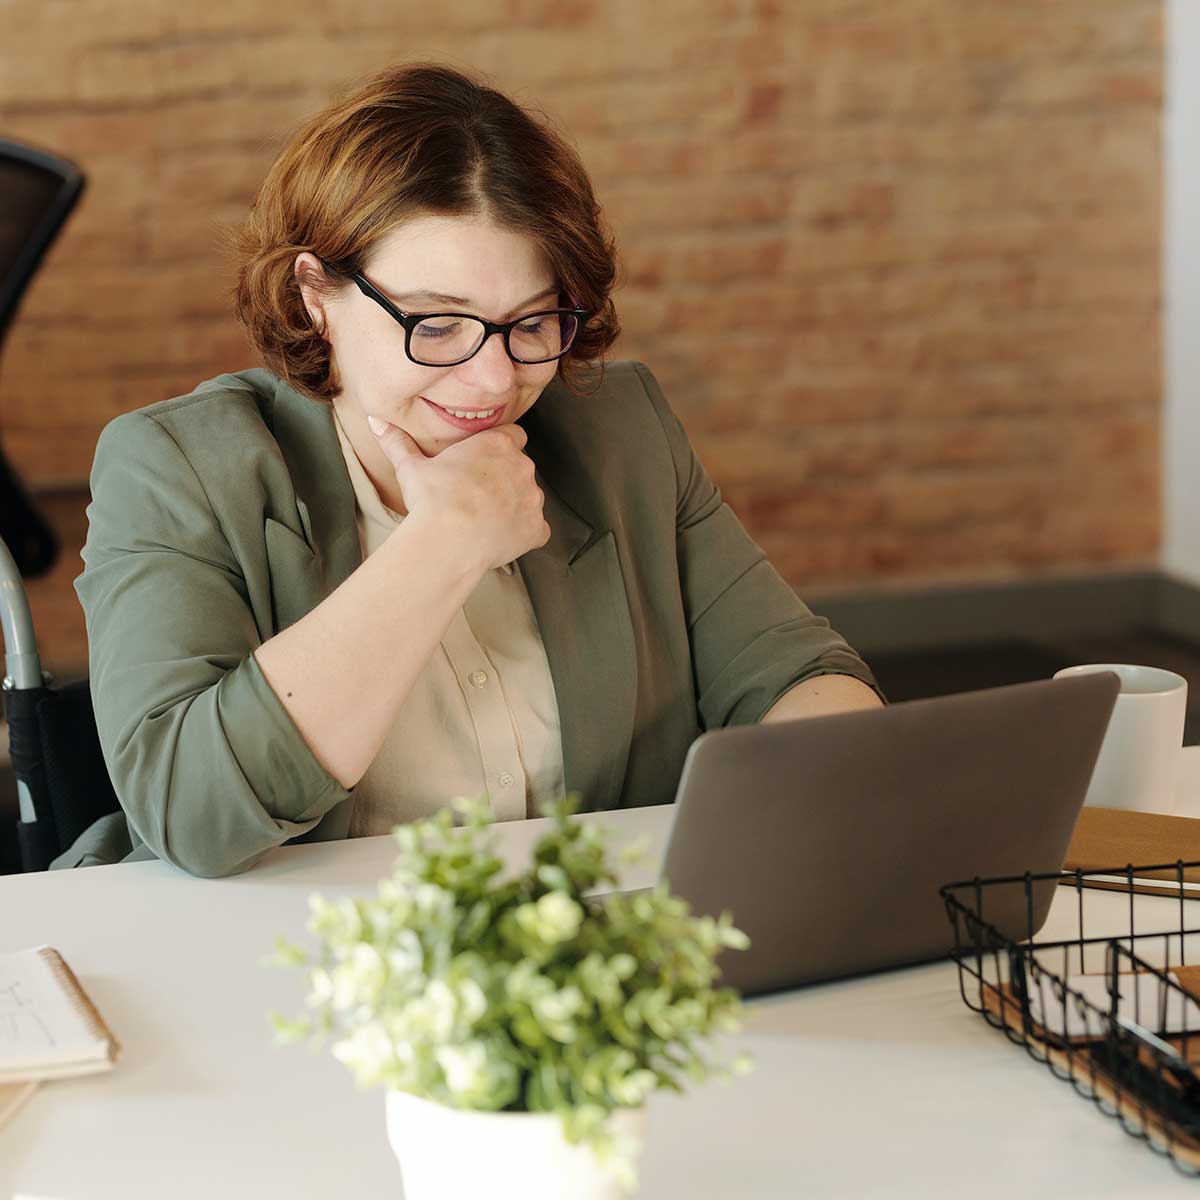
(37,193)
(62,782)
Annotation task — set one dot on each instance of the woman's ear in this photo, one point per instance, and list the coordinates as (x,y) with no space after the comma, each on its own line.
(306,269)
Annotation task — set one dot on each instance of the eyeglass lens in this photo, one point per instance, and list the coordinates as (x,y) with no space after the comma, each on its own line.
(450,339)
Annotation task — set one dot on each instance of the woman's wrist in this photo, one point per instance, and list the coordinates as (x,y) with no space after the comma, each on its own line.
(444,543)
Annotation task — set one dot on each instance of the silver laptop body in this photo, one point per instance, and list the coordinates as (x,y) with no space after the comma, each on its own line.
(828,839)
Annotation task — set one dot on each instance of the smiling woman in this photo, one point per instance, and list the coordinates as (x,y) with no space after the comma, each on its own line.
(393,364)
(435,547)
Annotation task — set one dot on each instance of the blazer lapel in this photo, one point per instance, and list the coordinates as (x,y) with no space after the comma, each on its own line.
(324,498)
(578,595)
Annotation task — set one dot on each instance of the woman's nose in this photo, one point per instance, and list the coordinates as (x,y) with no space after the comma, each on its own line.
(490,369)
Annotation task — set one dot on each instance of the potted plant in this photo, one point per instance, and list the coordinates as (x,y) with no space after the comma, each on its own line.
(517,1025)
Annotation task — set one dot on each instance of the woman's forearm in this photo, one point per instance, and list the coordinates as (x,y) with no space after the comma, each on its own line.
(344,669)
(820,696)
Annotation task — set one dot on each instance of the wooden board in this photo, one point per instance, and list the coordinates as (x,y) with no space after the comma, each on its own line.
(1107,840)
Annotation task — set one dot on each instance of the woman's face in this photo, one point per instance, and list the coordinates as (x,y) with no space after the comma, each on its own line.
(435,264)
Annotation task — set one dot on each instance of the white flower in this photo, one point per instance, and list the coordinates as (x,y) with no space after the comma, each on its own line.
(623,965)
(554,1011)
(367,1052)
(634,1087)
(435,1011)
(432,902)
(560,916)
(472,1000)
(406,957)
(552,919)
(465,1068)
(320,987)
(345,987)
(367,961)
(559,1006)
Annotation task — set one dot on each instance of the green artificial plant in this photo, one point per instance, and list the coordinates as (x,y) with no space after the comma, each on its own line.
(517,994)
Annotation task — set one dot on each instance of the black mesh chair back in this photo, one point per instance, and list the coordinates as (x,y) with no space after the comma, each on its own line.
(37,193)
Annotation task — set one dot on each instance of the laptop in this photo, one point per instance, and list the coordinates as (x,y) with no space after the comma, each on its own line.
(828,839)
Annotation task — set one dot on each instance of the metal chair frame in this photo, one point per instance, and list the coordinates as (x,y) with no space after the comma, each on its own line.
(22,664)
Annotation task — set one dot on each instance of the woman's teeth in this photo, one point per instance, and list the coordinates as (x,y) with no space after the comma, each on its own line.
(470,416)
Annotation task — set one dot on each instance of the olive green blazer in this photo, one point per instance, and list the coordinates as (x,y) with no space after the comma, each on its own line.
(220,517)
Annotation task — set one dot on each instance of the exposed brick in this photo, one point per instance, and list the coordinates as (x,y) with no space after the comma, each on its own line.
(829,398)
(233,120)
(955,498)
(219,175)
(193,233)
(1078,85)
(705,103)
(35,73)
(712,204)
(197,18)
(801,507)
(1089,30)
(895,262)
(135,291)
(108,22)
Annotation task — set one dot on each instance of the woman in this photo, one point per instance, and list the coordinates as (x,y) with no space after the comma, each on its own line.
(431,550)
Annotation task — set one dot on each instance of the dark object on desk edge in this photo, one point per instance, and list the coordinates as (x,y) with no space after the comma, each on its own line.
(56,752)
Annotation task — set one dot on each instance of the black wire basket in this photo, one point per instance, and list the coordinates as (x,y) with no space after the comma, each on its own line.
(1118,1017)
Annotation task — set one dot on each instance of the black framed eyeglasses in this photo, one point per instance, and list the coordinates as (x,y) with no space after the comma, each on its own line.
(447,339)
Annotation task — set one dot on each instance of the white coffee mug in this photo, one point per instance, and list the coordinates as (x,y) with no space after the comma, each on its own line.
(1139,758)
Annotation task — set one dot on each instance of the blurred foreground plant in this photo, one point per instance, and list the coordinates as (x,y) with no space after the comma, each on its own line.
(517,995)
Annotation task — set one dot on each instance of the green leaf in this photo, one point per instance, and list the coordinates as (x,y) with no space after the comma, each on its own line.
(287,1031)
(286,954)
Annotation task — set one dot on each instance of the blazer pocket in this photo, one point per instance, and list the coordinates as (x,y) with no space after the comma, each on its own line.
(295,574)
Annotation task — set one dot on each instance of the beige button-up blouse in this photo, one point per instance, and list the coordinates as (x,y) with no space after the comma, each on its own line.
(482,717)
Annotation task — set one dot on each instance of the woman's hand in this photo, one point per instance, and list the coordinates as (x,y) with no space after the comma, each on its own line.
(481,488)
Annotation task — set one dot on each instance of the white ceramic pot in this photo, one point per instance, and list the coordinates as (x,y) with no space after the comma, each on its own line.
(455,1154)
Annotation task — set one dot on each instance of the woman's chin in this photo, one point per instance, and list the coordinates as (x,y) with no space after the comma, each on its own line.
(432,444)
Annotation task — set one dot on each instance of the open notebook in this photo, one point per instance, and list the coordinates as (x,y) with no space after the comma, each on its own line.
(49,1028)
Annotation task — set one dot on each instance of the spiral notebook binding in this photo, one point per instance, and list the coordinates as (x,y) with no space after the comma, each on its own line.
(80,1000)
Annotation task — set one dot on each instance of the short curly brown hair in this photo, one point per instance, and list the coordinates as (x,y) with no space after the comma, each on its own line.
(415,140)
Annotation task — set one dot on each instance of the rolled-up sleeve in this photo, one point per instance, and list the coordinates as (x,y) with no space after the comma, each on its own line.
(208,765)
(752,639)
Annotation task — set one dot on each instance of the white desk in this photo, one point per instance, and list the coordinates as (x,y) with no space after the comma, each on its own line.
(886,1086)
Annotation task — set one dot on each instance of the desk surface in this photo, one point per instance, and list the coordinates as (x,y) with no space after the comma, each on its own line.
(881,1086)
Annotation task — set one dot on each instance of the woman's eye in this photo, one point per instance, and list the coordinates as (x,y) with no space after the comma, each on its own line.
(439,330)
(534,326)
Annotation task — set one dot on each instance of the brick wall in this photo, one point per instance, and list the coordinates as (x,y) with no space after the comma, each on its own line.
(894,261)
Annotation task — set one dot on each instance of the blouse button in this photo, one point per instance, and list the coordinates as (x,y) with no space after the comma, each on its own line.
(478,678)
(506,780)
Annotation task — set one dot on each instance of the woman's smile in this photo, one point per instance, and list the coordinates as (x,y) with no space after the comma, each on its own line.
(470,419)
